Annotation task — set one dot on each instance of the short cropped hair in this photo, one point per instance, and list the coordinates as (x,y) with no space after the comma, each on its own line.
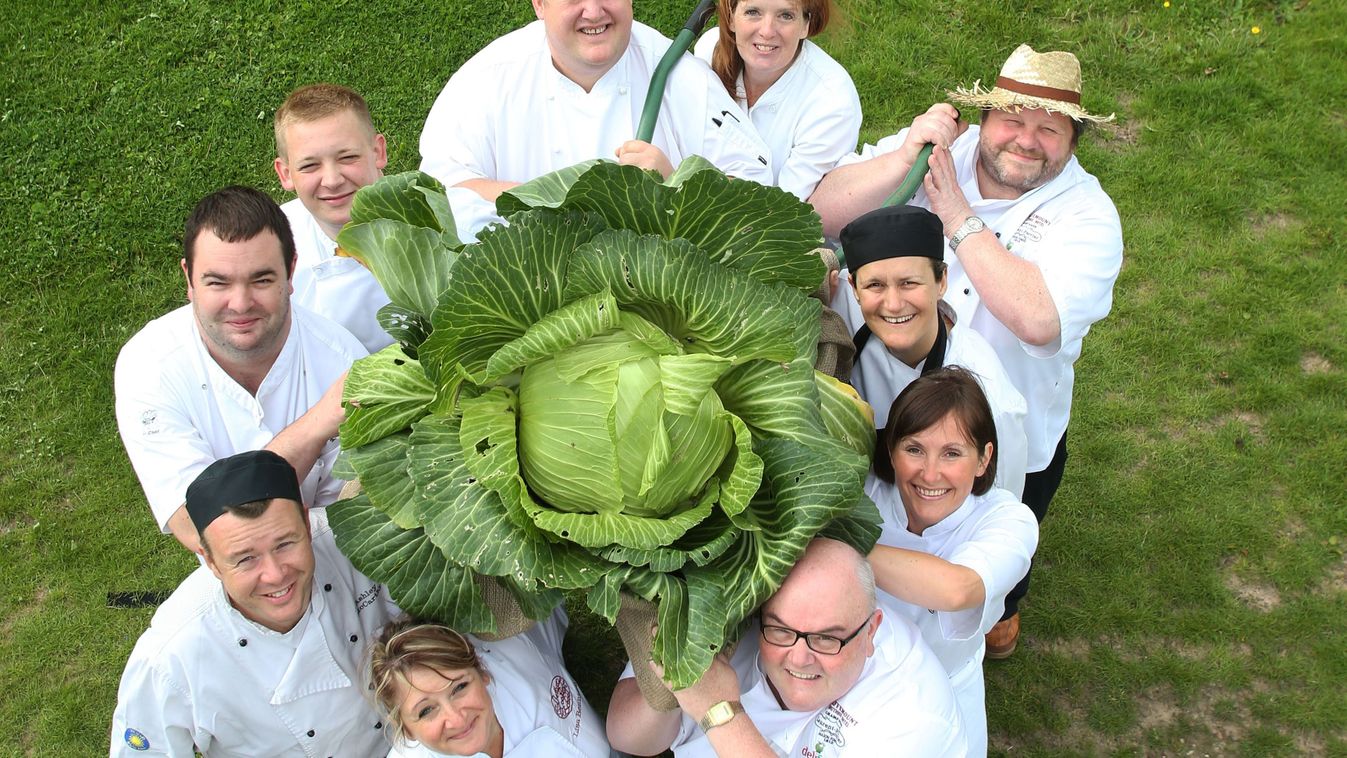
(407,644)
(250,510)
(235,214)
(318,101)
(928,399)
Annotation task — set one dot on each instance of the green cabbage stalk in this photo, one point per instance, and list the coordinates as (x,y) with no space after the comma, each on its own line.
(612,393)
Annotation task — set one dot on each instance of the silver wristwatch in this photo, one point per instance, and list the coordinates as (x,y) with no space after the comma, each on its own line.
(971,225)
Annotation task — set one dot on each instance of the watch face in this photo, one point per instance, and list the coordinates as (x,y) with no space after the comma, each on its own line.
(718,714)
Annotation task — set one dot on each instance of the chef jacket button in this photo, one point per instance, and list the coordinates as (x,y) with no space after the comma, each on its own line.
(966,290)
(310,732)
(998,235)
(354,637)
(243,642)
(328,587)
(378,725)
(621,90)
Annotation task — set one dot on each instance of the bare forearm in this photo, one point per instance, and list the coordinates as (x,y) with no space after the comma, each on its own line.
(489,189)
(1012,288)
(180,526)
(926,580)
(636,728)
(740,737)
(302,443)
(849,191)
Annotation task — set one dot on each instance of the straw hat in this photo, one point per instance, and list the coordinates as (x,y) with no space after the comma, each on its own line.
(1050,81)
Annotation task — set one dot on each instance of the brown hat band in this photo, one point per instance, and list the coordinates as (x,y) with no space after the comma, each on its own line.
(1035,90)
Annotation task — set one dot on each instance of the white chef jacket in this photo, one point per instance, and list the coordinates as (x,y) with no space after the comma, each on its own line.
(993,534)
(342,289)
(508,114)
(810,118)
(178,411)
(901,705)
(334,286)
(204,675)
(1071,231)
(540,708)
(878,377)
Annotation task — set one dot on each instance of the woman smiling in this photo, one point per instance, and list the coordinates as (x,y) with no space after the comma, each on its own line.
(802,102)
(890,300)
(447,694)
(952,544)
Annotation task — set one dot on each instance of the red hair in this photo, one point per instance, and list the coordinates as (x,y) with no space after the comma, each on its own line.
(725,59)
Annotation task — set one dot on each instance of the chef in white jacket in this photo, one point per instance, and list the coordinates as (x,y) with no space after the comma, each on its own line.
(257,652)
(902,328)
(446,694)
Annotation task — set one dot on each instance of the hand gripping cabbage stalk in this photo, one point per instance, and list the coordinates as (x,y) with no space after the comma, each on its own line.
(612,393)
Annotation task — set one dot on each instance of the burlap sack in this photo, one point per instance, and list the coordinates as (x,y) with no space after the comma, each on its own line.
(634,619)
(510,618)
(349,490)
(835,348)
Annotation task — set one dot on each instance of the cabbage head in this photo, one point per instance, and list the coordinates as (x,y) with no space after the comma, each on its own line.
(613,392)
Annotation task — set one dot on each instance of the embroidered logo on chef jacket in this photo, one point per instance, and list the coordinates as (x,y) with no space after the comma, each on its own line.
(149,425)
(830,724)
(135,740)
(1029,230)
(562,699)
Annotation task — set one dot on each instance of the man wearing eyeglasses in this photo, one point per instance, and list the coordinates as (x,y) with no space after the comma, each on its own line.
(822,673)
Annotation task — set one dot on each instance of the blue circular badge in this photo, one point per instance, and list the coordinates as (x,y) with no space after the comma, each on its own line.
(136,740)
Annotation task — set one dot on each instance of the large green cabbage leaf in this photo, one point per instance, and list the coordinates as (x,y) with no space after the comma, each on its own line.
(613,392)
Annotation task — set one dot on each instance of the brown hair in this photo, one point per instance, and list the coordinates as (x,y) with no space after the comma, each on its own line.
(318,101)
(725,59)
(251,510)
(235,214)
(407,644)
(928,399)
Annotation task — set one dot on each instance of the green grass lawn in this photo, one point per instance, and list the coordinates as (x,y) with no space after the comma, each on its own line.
(1191,590)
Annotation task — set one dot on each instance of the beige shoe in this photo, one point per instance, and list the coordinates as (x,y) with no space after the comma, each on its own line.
(1003,637)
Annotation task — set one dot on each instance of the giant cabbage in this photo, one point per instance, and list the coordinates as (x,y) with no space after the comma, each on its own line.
(614,393)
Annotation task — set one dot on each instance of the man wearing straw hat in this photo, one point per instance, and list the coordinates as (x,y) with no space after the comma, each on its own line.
(1037,243)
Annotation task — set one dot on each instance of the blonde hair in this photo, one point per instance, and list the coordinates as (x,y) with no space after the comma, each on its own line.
(318,101)
(408,644)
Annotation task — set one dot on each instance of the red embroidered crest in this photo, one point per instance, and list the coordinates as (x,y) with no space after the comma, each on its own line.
(563,701)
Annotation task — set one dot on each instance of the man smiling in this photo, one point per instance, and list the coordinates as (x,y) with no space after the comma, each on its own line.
(237,368)
(327,149)
(258,652)
(1037,243)
(570,87)
(824,672)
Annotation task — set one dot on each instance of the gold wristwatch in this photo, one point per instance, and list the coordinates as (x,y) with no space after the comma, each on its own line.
(719,714)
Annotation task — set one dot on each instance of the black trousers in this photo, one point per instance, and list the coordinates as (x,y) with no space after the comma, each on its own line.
(1039,487)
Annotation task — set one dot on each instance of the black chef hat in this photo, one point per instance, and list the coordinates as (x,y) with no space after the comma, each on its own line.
(239,479)
(894,232)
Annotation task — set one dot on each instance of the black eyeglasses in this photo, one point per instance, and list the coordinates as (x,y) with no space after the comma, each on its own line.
(823,644)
